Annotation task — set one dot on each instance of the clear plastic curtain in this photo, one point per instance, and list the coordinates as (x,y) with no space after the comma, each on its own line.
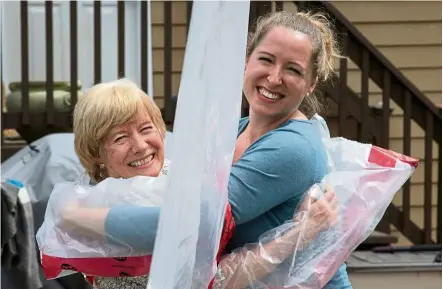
(206,125)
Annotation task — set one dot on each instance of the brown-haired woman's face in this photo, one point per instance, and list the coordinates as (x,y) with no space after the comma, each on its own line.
(133,149)
(278,73)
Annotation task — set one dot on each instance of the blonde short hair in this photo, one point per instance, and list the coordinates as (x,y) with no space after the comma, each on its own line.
(105,106)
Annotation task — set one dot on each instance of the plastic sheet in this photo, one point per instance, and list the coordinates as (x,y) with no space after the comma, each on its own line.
(64,240)
(41,165)
(46,162)
(55,237)
(64,250)
(205,130)
(307,251)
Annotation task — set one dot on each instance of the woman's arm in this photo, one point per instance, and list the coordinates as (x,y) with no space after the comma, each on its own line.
(271,172)
(84,221)
(127,225)
(254,262)
(267,175)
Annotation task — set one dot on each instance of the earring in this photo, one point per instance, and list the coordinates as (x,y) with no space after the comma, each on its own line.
(102,168)
(307,94)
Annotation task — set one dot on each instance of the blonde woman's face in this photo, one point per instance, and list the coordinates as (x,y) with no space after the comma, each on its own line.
(133,149)
(278,74)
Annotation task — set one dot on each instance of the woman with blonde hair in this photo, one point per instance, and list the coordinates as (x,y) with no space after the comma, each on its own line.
(278,154)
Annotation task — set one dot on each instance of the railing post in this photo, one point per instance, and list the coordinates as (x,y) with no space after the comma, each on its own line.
(74,52)
(364,98)
(25,62)
(50,107)
(121,38)
(97,42)
(406,202)
(439,195)
(386,99)
(279,5)
(428,178)
(342,107)
(144,46)
(167,64)
(188,14)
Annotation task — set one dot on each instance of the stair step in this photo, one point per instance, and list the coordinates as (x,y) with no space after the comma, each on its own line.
(377,239)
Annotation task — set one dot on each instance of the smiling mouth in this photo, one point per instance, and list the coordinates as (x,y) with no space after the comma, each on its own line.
(139,163)
(269,95)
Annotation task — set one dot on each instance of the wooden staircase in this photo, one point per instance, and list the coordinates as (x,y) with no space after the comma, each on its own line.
(409,35)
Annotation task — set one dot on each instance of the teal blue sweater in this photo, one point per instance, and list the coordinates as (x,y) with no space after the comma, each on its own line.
(265,186)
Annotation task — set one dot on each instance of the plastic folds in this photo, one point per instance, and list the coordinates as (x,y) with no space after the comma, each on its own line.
(307,251)
(69,244)
(205,132)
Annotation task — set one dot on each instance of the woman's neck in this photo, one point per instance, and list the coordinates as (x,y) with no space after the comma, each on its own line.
(259,125)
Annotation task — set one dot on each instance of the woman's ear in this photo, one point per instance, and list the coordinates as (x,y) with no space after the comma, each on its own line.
(99,159)
(313,85)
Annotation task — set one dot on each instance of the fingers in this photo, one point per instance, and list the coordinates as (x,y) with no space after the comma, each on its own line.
(324,204)
(334,203)
(326,207)
(333,217)
(329,193)
(307,203)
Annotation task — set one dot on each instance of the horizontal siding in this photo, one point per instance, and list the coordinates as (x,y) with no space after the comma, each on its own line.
(418,177)
(396,128)
(408,33)
(407,57)
(403,241)
(404,34)
(178,55)
(426,79)
(376,97)
(417,215)
(417,147)
(416,195)
(390,11)
(178,12)
(179,35)
(158,84)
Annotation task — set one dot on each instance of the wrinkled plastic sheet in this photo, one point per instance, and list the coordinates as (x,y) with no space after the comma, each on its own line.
(46,162)
(195,198)
(364,177)
(205,130)
(41,165)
